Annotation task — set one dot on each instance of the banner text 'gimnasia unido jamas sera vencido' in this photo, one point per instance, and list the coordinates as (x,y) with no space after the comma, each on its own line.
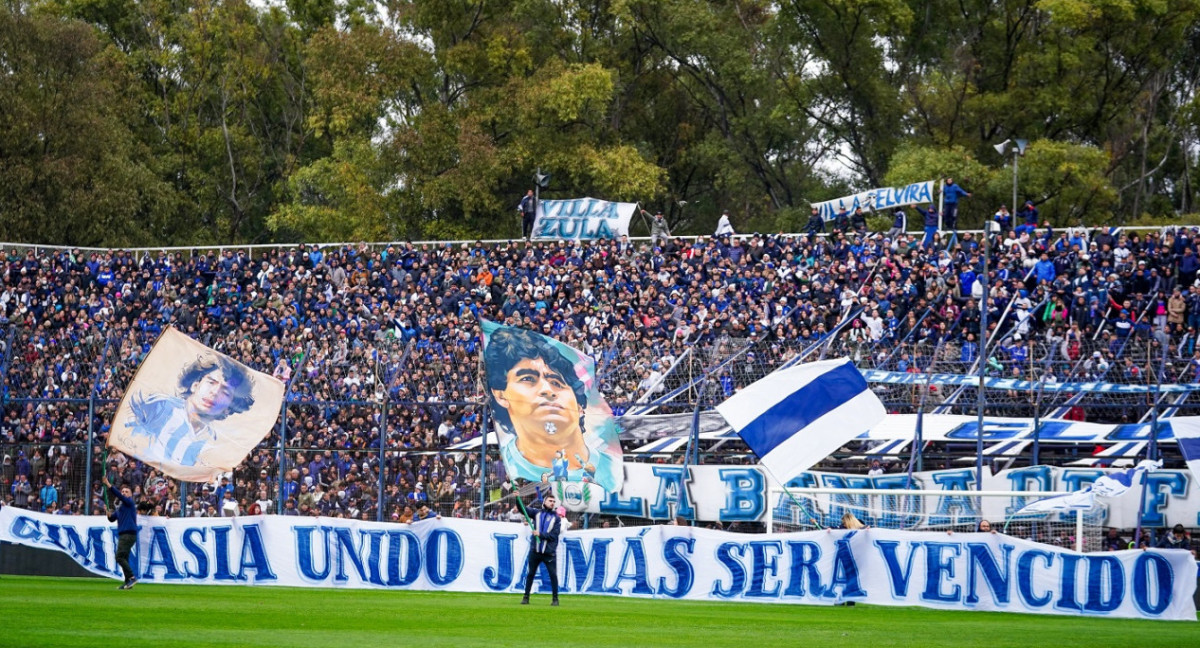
(974,571)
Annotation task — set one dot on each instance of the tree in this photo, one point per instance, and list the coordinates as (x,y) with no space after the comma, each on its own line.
(71,169)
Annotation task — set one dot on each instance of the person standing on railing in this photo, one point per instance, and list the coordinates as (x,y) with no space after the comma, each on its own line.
(950,195)
(931,227)
(899,223)
(724,227)
(1029,217)
(660,233)
(858,221)
(528,210)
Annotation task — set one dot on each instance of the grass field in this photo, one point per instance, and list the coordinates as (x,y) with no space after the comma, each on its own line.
(91,612)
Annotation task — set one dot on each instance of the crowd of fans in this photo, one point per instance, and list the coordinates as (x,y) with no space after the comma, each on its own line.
(380,344)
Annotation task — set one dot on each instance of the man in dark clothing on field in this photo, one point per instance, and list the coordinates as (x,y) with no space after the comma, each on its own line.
(543,547)
(125,516)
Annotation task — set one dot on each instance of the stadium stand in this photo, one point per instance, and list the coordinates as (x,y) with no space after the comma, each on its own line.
(380,348)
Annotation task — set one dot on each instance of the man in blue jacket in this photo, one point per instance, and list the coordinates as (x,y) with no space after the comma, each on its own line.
(931,227)
(127,528)
(950,195)
(1044,270)
(543,547)
(1029,218)
(1189,267)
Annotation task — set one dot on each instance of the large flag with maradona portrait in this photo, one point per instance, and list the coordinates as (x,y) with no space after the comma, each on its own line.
(552,422)
(192,412)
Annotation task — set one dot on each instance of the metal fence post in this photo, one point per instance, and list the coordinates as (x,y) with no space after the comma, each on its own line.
(282,461)
(91,426)
(383,430)
(483,475)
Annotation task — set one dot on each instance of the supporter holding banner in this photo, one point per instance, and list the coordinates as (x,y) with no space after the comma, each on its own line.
(192,412)
(582,218)
(877,199)
(963,571)
(553,423)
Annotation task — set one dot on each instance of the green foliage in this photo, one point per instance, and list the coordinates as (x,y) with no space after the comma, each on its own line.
(918,163)
(72,169)
(1066,181)
(1165,220)
(342,197)
(203,121)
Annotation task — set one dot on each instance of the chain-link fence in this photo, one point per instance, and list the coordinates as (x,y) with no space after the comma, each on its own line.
(369,424)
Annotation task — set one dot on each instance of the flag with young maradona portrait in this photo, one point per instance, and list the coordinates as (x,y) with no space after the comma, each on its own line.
(552,423)
(193,412)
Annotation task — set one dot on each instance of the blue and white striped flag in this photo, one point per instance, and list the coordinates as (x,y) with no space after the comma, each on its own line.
(1187,435)
(796,417)
(1110,485)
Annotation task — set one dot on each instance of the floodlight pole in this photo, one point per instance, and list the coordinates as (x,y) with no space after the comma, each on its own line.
(983,358)
(1016,151)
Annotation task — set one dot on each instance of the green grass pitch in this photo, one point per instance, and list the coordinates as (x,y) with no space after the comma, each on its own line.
(91,612)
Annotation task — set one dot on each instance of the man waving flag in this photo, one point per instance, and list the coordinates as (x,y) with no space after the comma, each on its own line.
(795,417)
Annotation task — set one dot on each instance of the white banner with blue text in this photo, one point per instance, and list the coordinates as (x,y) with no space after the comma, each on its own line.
(960,380)
(582,219)
(967,571)
(745,494)
(878,199)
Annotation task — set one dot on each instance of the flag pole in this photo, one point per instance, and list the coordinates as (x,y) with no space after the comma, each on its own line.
(918,436)
(790,496)
(521,503)
(1152,450)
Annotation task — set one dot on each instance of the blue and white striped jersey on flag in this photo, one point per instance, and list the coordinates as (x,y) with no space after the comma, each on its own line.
(795,417)
(1187,435)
